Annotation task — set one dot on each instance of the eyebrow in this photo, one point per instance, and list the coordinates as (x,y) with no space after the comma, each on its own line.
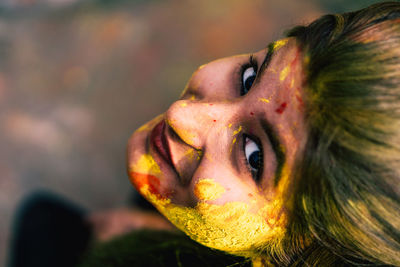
(265,63)
(276,147)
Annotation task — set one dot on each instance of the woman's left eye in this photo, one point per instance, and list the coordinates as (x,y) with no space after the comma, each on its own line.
(249,74)
(254,157)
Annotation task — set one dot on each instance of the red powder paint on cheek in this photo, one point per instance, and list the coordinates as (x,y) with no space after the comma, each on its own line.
(140,180)
(251,113)
(215,120)
(281,108)
(250,194)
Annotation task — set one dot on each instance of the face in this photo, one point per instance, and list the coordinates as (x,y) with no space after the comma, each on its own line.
(219,164)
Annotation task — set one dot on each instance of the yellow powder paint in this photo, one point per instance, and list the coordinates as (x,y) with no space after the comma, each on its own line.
(234,139)
(230,125)
(230,227)
(193,97)
(183,104)
(261,261)
(257,262)
(143,128)
(146,164)
(159,203)
(292,83)
(199,154)
(284,181)
(186,136)
(284,73)
(208,189)
(237,131)
(190,153)
(278,44)
(263,100)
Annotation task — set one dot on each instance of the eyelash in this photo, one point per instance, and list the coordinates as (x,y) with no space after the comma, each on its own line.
(252,62)
(256,177)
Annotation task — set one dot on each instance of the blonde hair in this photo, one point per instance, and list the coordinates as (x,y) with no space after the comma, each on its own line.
(348,200)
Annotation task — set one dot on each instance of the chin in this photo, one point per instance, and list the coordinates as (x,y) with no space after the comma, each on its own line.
(141,164)
(147,171)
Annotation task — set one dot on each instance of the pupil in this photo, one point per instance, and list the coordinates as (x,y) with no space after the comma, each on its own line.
(249,82)
(254,160)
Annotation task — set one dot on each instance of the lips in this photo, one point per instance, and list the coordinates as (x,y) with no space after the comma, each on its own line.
(158,140)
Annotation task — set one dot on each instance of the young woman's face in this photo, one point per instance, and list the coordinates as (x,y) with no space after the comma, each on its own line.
(219,164)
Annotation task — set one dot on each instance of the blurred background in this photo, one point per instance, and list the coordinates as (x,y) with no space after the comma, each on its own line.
(78,77)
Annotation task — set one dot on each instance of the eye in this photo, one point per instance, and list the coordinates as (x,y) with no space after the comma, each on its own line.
(249,74)
(254,157)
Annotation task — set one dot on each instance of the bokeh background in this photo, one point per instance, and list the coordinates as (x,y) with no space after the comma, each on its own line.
(78,77)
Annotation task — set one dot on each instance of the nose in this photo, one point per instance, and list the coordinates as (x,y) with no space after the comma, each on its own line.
(193,121)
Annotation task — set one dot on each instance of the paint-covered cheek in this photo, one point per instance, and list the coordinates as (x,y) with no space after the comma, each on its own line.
(151,182)
(144,175)
(208,189)
(231,227)
(146,164)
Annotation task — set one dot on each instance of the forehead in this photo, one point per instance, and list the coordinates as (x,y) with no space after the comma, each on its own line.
(279,94)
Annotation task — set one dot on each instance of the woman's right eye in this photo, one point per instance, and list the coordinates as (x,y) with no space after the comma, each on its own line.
(249,74)
(254,157)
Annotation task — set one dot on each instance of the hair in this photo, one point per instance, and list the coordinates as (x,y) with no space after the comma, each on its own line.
(347,208)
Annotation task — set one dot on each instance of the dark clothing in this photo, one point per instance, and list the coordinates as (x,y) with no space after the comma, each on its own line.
(48,231)
(152,248)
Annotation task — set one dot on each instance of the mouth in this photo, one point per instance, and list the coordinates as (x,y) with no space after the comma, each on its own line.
(159,143)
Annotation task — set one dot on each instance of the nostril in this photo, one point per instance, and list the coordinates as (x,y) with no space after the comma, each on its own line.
(174,136)
(177,138)
(184,157)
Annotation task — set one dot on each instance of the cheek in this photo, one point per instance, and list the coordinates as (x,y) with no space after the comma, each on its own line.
(236,226)
(144,175)
(215,182)
(146,164)
(142,180)
(230,227)
(151,185)
(208,189)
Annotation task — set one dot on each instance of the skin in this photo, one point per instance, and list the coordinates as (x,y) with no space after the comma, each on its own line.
(212,196)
